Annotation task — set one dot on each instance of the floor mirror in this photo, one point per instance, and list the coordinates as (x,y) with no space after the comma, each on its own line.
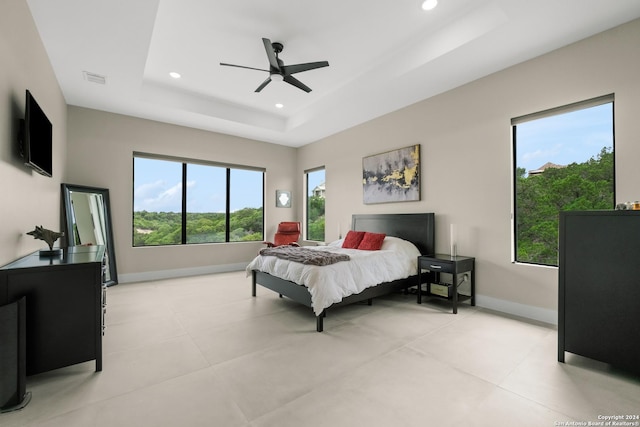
(87,218)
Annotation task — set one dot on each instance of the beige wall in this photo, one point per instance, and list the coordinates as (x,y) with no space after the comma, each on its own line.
(466,159)
(27,198)
(100,154)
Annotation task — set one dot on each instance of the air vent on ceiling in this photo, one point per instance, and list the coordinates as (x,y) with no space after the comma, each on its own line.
(94,78)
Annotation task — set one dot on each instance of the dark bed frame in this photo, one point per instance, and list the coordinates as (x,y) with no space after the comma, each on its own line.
(418,228)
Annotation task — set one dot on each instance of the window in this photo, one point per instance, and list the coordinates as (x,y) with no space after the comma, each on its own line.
(206,215)
(315,181)
(563,160)
(179,201)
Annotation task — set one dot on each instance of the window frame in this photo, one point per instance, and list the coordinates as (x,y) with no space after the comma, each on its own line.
(576,106)
(185,162)
(306,201)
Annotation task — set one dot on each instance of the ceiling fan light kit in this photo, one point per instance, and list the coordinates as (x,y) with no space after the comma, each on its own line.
(278,71)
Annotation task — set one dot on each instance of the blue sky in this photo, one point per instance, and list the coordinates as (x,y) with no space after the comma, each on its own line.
(158,187)
(563,139)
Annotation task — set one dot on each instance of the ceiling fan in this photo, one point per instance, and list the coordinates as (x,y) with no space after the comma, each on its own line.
(278,71)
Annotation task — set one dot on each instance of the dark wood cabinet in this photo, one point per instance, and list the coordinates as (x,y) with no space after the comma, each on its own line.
(63,306)
(599,287)
(13,383)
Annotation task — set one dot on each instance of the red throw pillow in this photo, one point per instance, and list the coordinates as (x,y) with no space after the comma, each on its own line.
(352,239)
(372,241)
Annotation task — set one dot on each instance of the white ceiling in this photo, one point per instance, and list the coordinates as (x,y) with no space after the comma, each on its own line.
(383,55)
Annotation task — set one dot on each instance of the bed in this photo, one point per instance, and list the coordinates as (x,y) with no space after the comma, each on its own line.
(417,228)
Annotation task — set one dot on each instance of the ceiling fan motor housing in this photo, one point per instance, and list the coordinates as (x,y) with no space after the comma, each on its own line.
(277,47)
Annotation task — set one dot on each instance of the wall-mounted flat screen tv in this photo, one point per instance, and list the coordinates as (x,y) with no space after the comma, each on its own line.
(36,141)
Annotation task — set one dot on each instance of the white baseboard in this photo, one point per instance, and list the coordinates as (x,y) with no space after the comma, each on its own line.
(528,311)
(181,272)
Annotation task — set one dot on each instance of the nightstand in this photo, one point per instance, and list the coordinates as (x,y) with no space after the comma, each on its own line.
(458,266)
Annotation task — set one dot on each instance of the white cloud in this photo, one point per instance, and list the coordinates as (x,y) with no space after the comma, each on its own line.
(158,197)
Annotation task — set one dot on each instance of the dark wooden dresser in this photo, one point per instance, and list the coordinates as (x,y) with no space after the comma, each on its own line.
(599,287)
(64,307)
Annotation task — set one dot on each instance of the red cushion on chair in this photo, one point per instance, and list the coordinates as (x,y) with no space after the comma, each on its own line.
(372,241)
(288,232)
(288,227)
(352,239)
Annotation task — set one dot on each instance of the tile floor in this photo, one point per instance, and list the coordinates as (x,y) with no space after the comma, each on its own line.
(200,351)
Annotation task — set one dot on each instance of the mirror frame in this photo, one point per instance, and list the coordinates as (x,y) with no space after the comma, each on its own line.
(68,224)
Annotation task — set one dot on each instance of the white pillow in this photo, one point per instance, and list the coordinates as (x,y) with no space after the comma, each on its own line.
(337,243)
(401,246)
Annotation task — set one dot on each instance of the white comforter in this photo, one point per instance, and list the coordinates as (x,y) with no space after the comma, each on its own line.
(397,259)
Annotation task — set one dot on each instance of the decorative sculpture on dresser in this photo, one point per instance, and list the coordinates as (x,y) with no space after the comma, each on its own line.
(48,236)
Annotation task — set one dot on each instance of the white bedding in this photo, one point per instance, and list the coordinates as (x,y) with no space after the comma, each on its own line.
(397,259)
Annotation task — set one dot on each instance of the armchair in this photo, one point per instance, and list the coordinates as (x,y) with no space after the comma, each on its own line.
(287,233)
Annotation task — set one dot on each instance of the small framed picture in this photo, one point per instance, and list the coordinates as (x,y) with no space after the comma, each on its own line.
(283,199)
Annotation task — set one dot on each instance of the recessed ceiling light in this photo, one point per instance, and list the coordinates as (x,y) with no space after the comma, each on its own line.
(429,4)
(278,105)
(175,75)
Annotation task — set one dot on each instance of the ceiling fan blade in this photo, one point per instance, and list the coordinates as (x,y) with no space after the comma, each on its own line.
(242,66)
(298,68)
(264,83)
(297,83)
(271,54)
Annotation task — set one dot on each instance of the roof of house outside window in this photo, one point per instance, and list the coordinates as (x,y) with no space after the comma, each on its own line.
(544,167)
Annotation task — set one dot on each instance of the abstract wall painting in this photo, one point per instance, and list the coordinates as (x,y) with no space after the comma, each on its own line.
(393,176)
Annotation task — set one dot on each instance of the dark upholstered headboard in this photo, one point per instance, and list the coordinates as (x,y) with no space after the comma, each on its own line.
(418,228)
